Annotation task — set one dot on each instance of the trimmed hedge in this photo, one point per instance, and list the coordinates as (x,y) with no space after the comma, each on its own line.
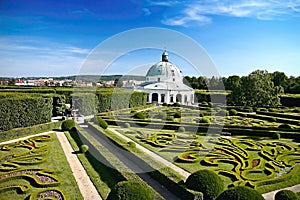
(67,125)
(119,99)
(131,190)
(22,132)
(139,115)
(101,122)
(240,193)
(207,182)
(24,110)
(285,195)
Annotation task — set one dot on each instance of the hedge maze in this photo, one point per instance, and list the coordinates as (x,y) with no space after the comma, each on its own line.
(20,170)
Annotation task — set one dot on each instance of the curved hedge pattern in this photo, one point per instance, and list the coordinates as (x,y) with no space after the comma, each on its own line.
(17,167)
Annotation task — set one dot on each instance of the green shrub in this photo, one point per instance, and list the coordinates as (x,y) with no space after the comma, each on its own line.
(102,123)
(207,182)
(139,115)
(204,103)
(210,104)
(232,112)
(181,129)
(132,144)
(177,104)
(67,125)
(204,120)
(284,126)
(240,193)
(165,104)
(130,190)
(84,148)
(127,125)
(177,114)
(276,136)
(285,195)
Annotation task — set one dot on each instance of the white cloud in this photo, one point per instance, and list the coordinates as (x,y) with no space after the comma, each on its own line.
(37,57)
(162,3)
(201,12)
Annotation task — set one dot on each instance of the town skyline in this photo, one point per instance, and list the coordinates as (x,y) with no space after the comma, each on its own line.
(52,39)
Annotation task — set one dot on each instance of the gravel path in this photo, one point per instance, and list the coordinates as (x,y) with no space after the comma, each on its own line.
(85,185)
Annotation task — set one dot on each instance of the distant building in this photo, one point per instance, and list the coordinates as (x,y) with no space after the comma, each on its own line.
(164,84)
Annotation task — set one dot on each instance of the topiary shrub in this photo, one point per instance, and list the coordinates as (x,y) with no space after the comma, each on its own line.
(284,126)
(177,104)
(232,112)
(240,193)
(177,114)
(127,125)
(131,190)
(204,120)
(285,195)
(67,125)
(132,144)
(84,148)
(139,115)
(102,123)
(165,104)
(276,136)
(181,129)
(207,182)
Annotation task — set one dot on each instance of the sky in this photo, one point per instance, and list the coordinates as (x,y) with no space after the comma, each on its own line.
(56,38)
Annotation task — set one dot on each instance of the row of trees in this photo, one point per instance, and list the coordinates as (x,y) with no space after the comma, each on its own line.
(289,84)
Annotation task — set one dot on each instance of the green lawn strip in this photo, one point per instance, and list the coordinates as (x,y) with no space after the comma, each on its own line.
(165,175)
(109,176)
(55,162)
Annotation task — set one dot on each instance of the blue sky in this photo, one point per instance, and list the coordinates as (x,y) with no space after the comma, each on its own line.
(53,38)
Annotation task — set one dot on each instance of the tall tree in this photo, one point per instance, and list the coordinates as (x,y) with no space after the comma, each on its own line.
(257,89)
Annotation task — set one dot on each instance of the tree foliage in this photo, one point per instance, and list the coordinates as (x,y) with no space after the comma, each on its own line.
(257,89)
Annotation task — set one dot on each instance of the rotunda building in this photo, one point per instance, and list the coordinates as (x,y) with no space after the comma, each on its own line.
(164,84)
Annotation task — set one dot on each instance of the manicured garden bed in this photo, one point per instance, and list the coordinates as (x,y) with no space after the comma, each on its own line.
(36,168)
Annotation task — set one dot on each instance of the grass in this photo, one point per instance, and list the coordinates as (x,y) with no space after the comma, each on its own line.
(55,161)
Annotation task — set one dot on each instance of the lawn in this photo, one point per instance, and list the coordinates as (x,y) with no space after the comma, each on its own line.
(36,168)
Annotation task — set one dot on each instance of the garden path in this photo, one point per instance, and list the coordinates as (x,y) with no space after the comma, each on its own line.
(85,185)
(154,155)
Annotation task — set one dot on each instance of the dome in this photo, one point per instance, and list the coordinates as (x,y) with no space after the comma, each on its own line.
(164,69)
